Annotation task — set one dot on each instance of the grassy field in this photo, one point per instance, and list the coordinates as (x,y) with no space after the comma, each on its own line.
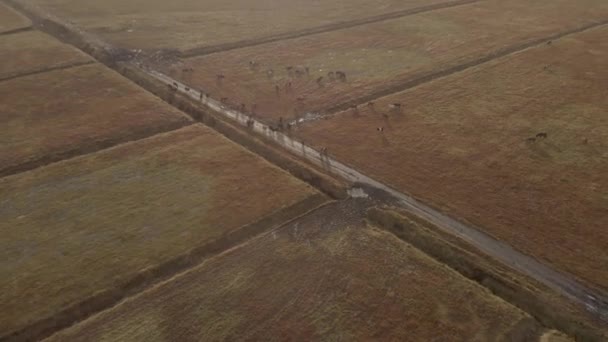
(378,56)
(49,116)
(185,24)
(326,276)
(74,228)
(460,143)
(11,20)
(34,51)
(554,336)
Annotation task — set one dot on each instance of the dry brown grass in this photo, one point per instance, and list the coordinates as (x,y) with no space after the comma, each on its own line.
(184,24)
(74,228)
(49,116)
(554,336)
(11,20)
(550,308)
(324,277)
(459,144)
(382,55)
(35,51)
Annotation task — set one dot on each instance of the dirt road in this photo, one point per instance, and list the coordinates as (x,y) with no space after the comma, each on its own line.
(560,282)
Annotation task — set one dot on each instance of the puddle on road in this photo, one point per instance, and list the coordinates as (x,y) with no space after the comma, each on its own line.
(307,118)
(357,193)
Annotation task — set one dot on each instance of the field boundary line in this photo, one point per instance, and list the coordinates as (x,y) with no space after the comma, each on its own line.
(92,148)
(47,69)
(112,58)
(207,50)
(17,30)
(150,277)
(565,284)
(434,75)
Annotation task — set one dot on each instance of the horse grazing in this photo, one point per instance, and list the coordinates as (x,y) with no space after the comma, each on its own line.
(289,70)
(219,78)
(541,135)
(320,81)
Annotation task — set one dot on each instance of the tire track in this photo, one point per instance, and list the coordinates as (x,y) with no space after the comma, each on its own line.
(207,50)
(594,301)
(412,83)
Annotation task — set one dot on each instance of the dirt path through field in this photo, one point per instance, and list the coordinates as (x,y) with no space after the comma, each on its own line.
(563,283)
